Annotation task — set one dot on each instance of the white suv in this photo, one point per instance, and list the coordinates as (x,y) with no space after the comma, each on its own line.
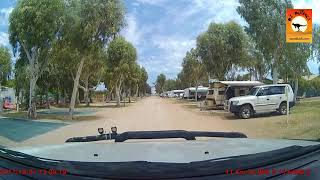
(261,99)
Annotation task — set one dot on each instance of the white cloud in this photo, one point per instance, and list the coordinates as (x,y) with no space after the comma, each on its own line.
(170,37)
(132,32)
(4,39)
(309,4)
(173,50)
(207,10)
(4,15)
(152,2)
(135,4)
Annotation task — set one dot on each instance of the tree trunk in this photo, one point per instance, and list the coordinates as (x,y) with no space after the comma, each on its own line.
(118,95)
(78,98)
(196,94)
(129,92)
(47,99)
(75,88)
(296,87)
(275,75)
(86,92)
(64,97)
(19,100)
(123,96)
(58,96)
(136,93)
(32,100)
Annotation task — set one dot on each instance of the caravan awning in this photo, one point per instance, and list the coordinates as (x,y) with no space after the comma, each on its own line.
(242,83)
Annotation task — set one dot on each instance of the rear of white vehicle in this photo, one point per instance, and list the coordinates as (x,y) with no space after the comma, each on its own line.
(262,99)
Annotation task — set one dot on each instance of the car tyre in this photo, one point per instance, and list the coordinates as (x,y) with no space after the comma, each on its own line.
(245,112)
(283,108)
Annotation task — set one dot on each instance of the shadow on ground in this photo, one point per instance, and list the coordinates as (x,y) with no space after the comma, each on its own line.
(256,116)
(65,112)
(20,129)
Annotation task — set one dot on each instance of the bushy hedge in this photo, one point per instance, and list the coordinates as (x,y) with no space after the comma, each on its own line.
(309,88)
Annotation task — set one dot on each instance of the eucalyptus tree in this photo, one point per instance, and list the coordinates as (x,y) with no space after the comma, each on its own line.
(160,82)
(221,47)
(33,26)
(195,69)
(120,56)
(5,65)
(92,74)
(294,62)
(256,63)
(132,78)
(266,25)
(142,84)
(89,25)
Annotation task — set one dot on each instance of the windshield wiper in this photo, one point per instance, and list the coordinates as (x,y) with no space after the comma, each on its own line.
(188,135)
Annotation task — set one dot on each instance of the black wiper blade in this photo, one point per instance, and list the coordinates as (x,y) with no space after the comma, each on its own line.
(92,138)
(218,134)
(188,135)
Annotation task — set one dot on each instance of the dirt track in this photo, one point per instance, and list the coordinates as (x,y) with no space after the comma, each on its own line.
(154,113)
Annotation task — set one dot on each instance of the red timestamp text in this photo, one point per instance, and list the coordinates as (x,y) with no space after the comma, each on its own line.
(49,172)
(305,172)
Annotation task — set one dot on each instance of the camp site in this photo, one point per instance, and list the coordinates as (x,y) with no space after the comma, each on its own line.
(159,89)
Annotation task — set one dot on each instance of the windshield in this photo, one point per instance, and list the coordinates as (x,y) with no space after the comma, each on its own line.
(140,69)
(253,91)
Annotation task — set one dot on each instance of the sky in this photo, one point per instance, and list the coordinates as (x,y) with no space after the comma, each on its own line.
(164,30)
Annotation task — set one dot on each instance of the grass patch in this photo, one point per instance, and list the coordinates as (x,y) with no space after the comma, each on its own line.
(303,123)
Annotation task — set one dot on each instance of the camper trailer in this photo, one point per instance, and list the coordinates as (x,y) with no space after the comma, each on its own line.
(189,93)
(221,91)
(175,93)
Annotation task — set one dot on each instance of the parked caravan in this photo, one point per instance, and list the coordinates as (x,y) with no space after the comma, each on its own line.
(175,93)
(221,91)
(189,93)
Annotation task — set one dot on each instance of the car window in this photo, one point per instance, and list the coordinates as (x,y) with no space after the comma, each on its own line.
(253,91)
(264,91)
(274,90)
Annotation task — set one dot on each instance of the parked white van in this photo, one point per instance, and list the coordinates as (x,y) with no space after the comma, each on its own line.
(261,99)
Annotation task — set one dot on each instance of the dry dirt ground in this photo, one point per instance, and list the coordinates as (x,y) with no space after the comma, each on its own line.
(155,113)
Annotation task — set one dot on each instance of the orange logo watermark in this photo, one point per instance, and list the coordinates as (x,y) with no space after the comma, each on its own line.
(299,25)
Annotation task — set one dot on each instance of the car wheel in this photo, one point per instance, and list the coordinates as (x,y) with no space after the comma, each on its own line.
(283,108)
(245,112)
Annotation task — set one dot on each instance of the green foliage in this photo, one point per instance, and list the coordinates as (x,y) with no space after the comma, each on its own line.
(193,68)
(170,84)
(309,88)
(90,24)
(266,26)
(266,21)
(294,60)
(5,65)
(221,47)
(120,55)
(143,80)
(160,82)
(35,23)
